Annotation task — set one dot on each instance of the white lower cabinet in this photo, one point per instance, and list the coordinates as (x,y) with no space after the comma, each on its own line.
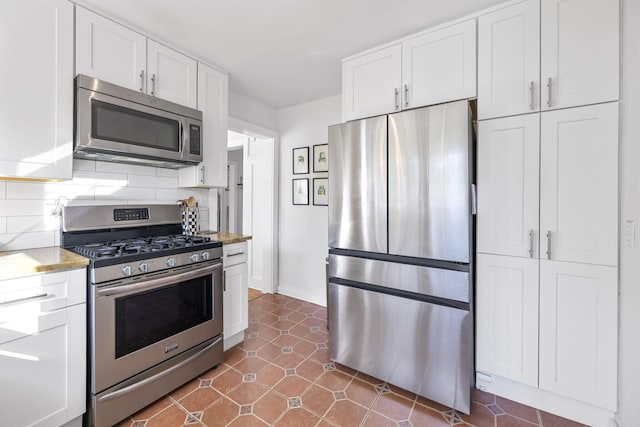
(235,293)
(578,331)
(43,349)
(507,309)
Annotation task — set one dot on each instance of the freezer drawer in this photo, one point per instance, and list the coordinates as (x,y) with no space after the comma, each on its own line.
(436,282)
(421,347)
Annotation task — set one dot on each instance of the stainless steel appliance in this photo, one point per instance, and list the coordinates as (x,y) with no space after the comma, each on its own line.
(400,257)
(154,304)
(117,124)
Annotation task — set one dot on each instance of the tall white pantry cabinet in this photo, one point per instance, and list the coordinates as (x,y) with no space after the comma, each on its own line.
(547,224)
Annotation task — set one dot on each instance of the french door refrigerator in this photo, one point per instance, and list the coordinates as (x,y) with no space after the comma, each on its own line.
(400,250)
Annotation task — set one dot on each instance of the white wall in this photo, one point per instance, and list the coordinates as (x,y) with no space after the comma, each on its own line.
(252,111)
(629,368)
(26,219)
(303,229)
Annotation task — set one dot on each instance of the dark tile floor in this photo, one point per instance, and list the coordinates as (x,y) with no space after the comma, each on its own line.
(281,375)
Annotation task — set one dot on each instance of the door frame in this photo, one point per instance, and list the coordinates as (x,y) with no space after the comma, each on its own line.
(256,131)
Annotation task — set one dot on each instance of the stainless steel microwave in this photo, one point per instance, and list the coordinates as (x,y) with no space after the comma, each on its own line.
(117,124)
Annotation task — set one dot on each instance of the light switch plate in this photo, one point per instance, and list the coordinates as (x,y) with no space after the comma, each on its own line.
(630,233)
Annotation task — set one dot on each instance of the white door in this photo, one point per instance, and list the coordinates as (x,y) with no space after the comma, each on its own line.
(259,211)
(579,52)
(508,185)
(108,51)
(371,83)
(509,61)
(578,331)
(36,111)
(579,184)
(171,75)
(236,299)
(507,317)
(439,66)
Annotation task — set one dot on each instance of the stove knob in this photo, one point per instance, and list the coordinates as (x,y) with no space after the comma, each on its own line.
(171,262)
(127,270)
(194,258)
(144,267)
(205,255)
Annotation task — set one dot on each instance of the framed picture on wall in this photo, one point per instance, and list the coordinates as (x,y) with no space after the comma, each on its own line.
(300,191)
(321,158)
(321,191)
(300,160)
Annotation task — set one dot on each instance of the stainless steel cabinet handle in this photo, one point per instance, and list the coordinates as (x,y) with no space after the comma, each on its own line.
(32,297)
(531,95)
(141,80)
(153,84)
(549,92)
(474,200)
(531,243)
(202,175)
(224,280)
(548,244)
(395,95)
(406,95)
(235,254)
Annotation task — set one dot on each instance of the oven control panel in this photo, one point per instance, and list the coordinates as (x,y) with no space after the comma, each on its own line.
(130,214)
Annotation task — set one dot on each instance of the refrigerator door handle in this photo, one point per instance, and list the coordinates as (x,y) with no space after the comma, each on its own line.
(474,200)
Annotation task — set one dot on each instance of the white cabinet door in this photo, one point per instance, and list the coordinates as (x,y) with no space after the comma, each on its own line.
(171,75)
(236,314)
(213,101)
(509,60)
(371,84)
(439,66)
(508,185)
(578,331)
(108,51)
(507,317)
(579,52)
(579,184)
(36,111)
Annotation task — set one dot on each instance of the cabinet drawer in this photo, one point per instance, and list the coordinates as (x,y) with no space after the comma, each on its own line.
(235,253)
(29,296)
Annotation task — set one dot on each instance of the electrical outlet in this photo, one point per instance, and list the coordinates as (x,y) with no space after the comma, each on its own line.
(630,234)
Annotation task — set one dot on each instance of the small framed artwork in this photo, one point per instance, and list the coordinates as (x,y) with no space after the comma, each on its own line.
(321,191)
(321,158)
(300,191)
(300,160)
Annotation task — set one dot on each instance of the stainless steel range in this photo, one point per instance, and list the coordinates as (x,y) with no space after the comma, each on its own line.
(155,304)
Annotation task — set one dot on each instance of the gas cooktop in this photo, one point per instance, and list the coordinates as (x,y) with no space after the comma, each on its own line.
(139,245)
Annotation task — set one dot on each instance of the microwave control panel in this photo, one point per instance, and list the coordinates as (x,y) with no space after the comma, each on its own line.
(194,139)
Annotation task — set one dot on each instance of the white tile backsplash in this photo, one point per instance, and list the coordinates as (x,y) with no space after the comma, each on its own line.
(26,208)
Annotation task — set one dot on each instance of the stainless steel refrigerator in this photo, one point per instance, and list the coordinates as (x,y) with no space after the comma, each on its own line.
(400,250)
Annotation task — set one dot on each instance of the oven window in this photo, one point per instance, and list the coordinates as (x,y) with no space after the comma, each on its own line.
(148,317)
(116,123)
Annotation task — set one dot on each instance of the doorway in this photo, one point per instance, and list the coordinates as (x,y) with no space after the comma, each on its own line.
(249,204)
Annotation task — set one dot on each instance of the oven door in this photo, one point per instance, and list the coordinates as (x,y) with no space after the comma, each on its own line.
(136,326)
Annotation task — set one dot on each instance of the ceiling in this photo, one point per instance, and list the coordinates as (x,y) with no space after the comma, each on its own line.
(282,52)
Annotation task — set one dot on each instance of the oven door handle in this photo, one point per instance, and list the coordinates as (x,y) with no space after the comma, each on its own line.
(155,283)
(146,381)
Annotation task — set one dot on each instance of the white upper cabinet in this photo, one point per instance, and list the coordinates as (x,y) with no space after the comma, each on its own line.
(213,95)
(439,66)
(579,185)
(578,331)
(36,48)
(547,54)
(371,83)
(171,75)
(579,52)
(508,186)
(111,52)
(426,69)
(108,51)
(509,61)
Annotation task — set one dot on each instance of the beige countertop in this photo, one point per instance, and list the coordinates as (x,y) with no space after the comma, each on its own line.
(226,238)
(38,260)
